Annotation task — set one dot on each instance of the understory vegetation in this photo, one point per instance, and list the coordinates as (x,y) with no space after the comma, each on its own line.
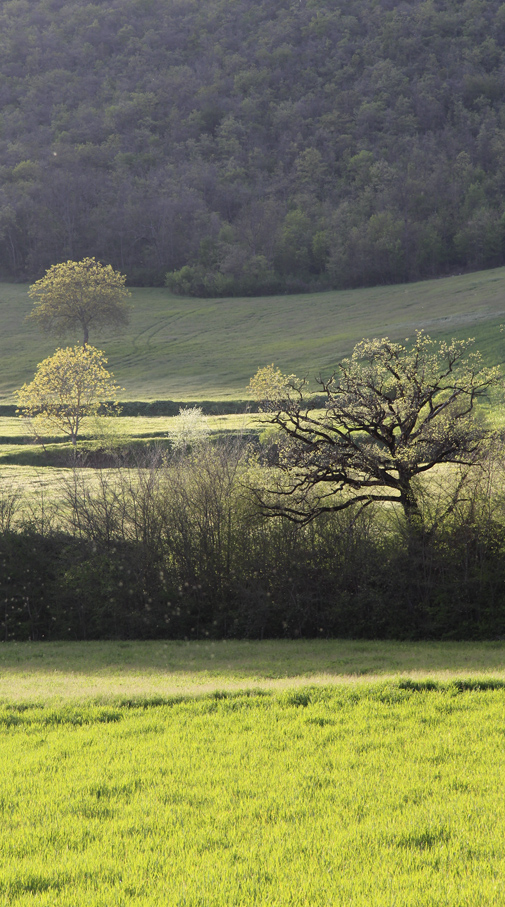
(173,546)
(386,794)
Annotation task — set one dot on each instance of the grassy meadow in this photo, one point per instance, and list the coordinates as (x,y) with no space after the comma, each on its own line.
(24,455)
(196,349)
(368,794)
(66,672)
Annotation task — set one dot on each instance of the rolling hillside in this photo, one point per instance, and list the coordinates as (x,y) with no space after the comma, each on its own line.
(196,349)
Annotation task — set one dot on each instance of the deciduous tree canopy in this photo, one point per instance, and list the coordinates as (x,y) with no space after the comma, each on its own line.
(392,413)
(80,294)
(68,388)
(253,147)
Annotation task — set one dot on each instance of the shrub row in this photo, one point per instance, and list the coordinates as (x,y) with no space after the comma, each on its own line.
(178,550)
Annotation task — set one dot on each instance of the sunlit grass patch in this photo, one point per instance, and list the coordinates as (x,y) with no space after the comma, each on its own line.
(186,349)
(72,672)
(15,429)
(21,448)
(379,795)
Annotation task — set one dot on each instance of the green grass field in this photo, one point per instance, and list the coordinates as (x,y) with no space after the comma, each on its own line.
(116,791)
(20,448)
(62,672)
(195,349)
(238,773)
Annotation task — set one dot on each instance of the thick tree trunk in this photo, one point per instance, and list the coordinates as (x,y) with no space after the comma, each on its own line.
(415,543)
(411,509)
(86,335)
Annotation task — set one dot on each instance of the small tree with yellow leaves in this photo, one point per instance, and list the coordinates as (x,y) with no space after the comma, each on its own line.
(68,388)
(79,294)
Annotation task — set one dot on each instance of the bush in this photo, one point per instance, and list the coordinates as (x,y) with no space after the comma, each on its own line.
(174,547)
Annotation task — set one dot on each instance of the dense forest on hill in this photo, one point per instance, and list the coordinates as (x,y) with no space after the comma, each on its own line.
(252,147)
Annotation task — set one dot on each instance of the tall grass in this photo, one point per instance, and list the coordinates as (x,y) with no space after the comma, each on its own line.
(386,795)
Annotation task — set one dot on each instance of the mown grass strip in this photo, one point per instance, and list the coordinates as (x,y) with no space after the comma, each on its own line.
(207,349)
(107,670)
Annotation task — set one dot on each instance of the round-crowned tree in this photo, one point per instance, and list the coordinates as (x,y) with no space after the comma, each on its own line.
(80,294)
(68,388)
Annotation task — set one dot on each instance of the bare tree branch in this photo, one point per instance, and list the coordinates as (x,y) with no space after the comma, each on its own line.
(391,414)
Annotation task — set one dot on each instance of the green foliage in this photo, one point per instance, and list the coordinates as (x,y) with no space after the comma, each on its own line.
(79,293)
(175,548)
(391,414)
(68,389)
(270,388)
(314,796)
(219,144)
(235,273)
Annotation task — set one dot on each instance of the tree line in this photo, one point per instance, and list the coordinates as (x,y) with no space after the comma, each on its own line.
(246,149)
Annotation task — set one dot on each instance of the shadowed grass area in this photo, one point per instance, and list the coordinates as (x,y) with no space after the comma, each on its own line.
(194,349)
(74,671)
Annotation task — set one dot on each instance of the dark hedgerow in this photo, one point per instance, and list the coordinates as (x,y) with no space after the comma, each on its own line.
(176,549)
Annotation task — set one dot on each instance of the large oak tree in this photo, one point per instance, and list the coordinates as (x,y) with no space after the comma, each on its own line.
(391,413)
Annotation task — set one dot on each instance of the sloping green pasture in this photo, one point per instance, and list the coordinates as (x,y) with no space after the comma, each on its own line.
(370,796)
(196,349)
